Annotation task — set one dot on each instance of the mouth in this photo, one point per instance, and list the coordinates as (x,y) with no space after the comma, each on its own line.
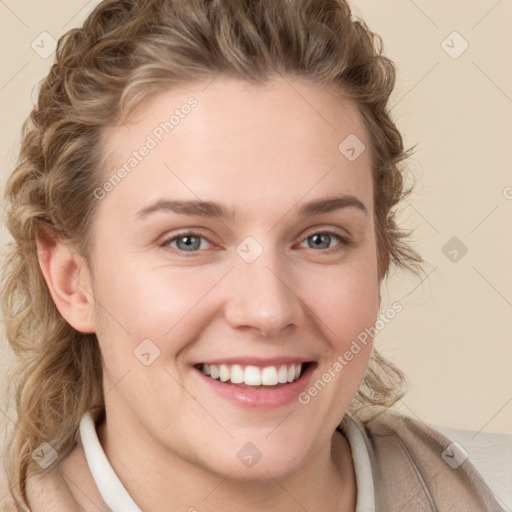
(252,376)
(257,384)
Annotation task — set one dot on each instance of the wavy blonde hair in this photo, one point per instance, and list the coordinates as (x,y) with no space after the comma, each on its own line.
(126,51)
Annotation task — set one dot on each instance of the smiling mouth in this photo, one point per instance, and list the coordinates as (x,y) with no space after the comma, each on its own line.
(254,376)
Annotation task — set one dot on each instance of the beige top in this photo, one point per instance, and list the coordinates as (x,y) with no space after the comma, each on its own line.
(400,464)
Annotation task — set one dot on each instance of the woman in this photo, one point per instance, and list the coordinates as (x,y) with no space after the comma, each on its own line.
(203,214)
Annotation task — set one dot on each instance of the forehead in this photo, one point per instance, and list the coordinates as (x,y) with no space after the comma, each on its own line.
(276,142)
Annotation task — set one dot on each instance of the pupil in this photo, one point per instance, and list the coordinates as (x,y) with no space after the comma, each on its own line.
(322,237)
(189,242)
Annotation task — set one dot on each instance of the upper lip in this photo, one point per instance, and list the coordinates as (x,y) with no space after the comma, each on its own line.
(256,361)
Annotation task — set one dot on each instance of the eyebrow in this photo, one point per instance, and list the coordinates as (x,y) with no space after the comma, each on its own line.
(216,210)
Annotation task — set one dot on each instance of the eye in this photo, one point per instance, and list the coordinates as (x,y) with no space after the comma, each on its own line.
(191,242)
(188,241)
(322,239)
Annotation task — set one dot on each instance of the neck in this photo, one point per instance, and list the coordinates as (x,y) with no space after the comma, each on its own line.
(324,483)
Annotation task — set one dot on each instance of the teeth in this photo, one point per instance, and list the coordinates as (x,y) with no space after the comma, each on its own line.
(214,371)
(269,376)
(291,373)
(282,376)
(237,374)
(223,373)
(253,375)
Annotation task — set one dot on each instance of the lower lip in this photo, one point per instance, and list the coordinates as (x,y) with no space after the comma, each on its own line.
(260,397)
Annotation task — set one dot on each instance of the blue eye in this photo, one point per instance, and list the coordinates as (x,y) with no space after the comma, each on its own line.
(322,238)
(191,242)
(186,242)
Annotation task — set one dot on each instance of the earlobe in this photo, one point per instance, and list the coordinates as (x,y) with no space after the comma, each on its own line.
(68,279)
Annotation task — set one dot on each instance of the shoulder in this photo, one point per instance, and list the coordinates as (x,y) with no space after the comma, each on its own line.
(415,465)
(45,492)
(7,503)
(67,486)
(490,454)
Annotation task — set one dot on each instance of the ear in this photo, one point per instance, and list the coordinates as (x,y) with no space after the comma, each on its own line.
(68,279)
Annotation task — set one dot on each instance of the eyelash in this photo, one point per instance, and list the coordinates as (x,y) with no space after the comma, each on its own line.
(345,242)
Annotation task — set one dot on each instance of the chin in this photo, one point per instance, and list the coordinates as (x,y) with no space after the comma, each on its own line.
(262,460)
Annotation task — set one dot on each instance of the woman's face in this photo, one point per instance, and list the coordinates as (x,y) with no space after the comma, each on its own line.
(274,282)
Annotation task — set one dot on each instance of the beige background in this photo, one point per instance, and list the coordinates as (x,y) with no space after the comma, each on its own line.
(453,337)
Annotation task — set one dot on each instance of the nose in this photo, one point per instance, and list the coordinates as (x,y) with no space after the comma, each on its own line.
(261,296)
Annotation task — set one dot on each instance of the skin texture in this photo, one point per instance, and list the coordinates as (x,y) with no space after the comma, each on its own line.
(261,151)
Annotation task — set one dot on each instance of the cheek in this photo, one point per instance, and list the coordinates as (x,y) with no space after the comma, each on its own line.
(137,302)
(346,304)
(346,300)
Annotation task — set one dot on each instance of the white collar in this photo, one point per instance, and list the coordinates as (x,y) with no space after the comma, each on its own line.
(117,498)
(110,487)
(362,465)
